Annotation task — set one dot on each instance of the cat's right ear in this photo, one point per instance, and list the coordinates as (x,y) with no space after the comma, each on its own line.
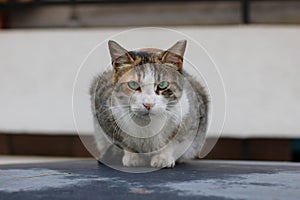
(119,56)
(174,55)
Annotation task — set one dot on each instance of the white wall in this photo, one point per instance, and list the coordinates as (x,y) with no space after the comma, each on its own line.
(260,66)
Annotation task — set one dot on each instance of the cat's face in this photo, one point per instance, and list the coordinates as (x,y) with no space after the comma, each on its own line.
(149,88)
(149,81)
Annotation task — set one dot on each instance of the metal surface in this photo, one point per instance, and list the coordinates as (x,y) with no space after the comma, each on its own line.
(196,179)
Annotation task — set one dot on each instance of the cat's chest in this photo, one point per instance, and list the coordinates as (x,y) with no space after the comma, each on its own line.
(157,126)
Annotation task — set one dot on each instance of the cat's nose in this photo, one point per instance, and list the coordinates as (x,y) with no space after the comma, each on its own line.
(148,106)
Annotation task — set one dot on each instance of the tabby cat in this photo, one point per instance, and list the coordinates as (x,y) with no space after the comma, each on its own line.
(148,106)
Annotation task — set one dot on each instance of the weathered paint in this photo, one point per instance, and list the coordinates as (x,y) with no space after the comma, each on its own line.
(256,186)
(16,180)
(193,180)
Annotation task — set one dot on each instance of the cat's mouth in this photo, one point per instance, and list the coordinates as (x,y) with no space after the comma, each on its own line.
(144,113)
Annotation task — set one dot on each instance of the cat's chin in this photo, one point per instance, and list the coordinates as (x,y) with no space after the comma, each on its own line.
(143,118)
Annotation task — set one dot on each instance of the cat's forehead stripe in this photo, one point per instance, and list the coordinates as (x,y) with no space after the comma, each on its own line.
(148,75)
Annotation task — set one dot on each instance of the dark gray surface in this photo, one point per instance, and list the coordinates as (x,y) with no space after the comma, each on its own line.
(194,180)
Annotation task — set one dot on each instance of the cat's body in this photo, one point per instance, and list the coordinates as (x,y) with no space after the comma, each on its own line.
(149,107)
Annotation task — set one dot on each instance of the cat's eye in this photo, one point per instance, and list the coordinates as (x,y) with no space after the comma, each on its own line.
(133,85)
(163,85)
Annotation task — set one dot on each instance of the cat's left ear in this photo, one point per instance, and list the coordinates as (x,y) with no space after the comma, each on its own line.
(119,56)
(174,55)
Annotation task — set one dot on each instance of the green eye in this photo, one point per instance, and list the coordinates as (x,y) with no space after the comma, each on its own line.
(163,85)
(133,85)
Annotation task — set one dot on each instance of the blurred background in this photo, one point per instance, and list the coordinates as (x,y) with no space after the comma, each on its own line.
(256,45)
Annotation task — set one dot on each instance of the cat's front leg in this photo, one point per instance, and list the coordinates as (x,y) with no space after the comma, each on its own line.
(164,159)
(132,159)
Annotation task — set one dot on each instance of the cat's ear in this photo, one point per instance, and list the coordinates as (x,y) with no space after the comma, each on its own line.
(119,56)
(174,55)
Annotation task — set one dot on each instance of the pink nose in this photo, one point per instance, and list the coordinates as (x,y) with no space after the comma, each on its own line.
(148,106)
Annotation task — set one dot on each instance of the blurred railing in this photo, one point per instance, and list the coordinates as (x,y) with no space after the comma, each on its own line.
(9,5)
(12,4)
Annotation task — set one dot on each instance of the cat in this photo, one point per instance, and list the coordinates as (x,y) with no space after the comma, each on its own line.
(148,106)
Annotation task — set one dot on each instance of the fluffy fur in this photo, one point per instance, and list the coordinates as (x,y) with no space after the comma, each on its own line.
(149,107)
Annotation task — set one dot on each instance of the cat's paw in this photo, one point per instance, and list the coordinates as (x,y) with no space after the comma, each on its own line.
(161,161)
(181,160)
(132,160)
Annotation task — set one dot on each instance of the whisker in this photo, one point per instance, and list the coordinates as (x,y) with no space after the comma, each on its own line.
(108,109)
(174,115)
(124,122)
(120,122)
(120,106)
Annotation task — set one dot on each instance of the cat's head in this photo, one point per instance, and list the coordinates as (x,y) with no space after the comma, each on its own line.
(147,81)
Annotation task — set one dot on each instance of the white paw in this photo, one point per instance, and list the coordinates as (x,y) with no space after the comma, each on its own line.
(181,160)
(161,161)
(132,160)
